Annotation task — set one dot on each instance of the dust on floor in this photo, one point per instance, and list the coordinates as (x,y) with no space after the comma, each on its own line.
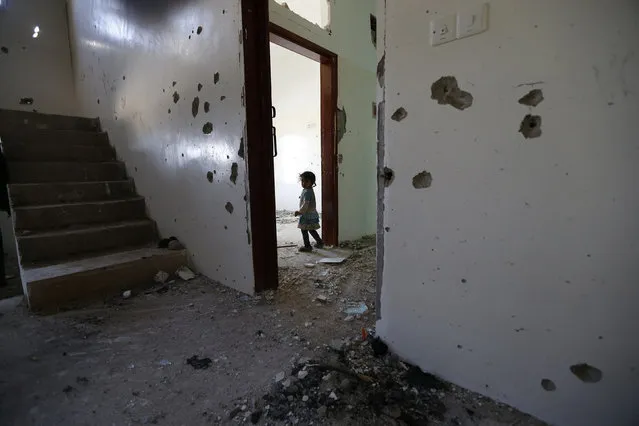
(197,353)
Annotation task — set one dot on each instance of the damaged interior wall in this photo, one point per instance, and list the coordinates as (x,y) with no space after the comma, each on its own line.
(36,71)
(349,36)
(166,81)
(295,89)
(513,270)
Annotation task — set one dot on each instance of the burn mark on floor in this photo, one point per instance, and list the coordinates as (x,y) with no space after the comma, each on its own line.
(207,128)
(532,98)
(586,373)
(530,126)
(195,106)
(399,114)
(209,176)
(234,173)
(446,91)
(340,122)
(548,385)
(29,101)
(216,77)
(229,207)
(422,180)
(176,97)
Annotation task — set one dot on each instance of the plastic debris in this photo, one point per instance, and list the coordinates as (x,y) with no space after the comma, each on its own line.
(185,273)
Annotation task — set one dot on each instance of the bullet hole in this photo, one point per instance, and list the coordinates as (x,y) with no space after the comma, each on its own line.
(98,101)
(340,158)
(124,77)
(340,122)
(373,22)
(169,111)
(226,227)
(233,173)
(532,98)
(163,90)
(222,97)
(399,115)
(207,128)
(446,91)
(176,97)
(530,126)
(207,106)
(195,106)
(29,101)
(4,49)
(586,373)
(459,347)
(387,229)
(422,180)
(600,337)
(199,86)
(463,281)
(209,176)
(240,151)
(189,37)
(548,385)
(389,176)
(381,67)
(174,83)
(229,207)
(199,30)
(216,77)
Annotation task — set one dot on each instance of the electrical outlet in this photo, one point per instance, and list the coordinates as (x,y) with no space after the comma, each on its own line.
(473,20)
(443,30)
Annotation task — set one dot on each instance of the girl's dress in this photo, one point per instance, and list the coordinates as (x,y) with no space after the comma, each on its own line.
(309,218)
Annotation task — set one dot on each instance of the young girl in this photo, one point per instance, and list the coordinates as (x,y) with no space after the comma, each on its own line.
(309,218)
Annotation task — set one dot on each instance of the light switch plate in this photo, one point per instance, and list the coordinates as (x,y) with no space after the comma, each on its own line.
(443,30)
(472,20)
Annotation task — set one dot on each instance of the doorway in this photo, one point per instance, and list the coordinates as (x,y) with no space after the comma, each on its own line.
(304,97)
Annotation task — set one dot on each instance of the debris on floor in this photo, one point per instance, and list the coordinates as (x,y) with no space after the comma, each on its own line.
(199,363)
(185,273)
(161,277)
(126,294)
(332,260)
(349,384)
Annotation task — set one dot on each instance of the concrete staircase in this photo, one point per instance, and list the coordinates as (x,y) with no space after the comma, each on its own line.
(82,231)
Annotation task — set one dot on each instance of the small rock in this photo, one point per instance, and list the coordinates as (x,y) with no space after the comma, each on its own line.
(234,412)
(322,411)
(126,294)
(175,245)
(333,396)
(286,383)
(337,345)
(346,384)
(304,360)
(305,398)
(290,398)
(322,299)
(280,376)
(349,318)
(302,374)
(161,277)
(243,408)
(309,265)
(185,273)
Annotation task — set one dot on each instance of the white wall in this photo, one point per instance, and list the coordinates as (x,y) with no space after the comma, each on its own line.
(38,68)
(522,252)
(295,90)
(314,11)
(132,57)
(350,38)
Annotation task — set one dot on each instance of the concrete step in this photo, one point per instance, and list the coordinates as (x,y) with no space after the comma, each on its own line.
(60,245)
(41,172)
(30,194)
(53,137)
(63,285)
(25,151)
(61,216)
(12,119)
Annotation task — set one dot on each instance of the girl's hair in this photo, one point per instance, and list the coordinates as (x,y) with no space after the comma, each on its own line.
(309,176)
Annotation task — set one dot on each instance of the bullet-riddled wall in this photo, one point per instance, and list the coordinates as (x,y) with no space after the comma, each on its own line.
(511,227)
(166,80)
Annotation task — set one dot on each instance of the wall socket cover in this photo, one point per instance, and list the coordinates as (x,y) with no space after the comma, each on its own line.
(443,30)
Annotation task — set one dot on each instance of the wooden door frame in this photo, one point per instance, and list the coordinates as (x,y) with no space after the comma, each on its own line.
(328,113)
(262,236)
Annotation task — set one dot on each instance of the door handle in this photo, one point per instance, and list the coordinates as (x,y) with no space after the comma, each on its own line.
(274,134)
